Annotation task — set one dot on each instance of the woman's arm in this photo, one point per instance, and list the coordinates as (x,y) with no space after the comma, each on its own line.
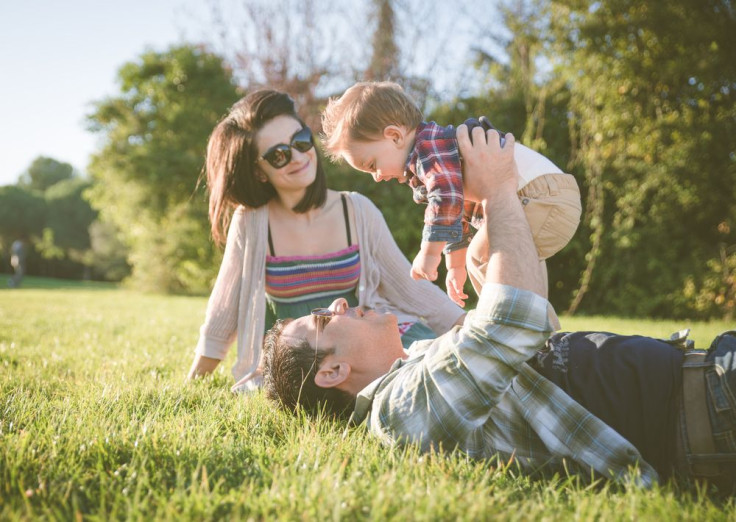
(219,329)
(202,366)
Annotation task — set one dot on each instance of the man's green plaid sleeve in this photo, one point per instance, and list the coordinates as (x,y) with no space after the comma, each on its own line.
(465,392)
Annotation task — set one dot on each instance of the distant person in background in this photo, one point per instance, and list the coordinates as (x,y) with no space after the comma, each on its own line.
(294,245)
(18,262)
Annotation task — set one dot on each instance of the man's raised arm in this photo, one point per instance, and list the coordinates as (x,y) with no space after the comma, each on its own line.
(490,177)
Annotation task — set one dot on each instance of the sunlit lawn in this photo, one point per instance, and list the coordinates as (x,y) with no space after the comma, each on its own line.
(97,423)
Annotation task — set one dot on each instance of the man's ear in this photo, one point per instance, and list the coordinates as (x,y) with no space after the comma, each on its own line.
(332,374)
(396,134)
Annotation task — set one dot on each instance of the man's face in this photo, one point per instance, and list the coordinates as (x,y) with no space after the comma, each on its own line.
(367,340)
(383,159)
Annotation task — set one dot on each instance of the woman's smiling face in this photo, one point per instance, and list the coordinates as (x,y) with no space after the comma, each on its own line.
(300,172)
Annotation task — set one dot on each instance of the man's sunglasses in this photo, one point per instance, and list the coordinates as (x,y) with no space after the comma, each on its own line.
(322,316)
(279,155)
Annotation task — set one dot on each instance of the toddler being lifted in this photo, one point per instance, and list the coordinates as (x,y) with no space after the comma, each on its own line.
(377,128)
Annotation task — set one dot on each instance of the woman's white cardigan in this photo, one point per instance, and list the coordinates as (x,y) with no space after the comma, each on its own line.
(237,306)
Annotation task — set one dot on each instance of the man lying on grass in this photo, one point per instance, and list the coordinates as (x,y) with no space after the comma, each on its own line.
(473,388)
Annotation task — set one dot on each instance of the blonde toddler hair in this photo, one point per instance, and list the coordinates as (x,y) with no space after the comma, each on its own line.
(362,113)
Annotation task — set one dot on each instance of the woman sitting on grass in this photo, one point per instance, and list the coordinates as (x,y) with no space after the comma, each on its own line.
(294,245)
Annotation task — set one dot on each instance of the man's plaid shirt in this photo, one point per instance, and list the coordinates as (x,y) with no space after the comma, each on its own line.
(436,178)
(471,390)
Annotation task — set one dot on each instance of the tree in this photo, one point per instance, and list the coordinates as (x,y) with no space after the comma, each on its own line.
(69,215)
(54,223)
(65,242)
(316,49)
(108,256)
(155,135)
(45,172)
(297,47)
(384,64)
(521,96)
(653,99)
(22,214)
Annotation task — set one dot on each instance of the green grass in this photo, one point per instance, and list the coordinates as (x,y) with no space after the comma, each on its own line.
(97,423)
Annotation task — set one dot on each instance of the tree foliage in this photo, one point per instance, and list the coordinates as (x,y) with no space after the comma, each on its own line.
(108,255)
(50,213)
(637,100)
(64,243)
(69,215)
(518,98)
(653,103)
(304,48)
(45,172)
(318,48)
(155,134)
(384,64)
(22,214)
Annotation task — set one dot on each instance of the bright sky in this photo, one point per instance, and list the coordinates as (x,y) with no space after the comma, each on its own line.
(58,56)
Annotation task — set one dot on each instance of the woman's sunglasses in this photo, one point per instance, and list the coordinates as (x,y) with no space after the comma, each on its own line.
(279,155)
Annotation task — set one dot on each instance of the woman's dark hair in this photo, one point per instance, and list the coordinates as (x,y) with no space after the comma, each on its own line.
(231,154)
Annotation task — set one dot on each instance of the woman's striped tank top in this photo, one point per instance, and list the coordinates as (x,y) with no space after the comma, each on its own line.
(297,284)
(291,279)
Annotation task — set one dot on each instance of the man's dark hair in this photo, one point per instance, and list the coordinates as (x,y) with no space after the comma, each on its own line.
(289,371)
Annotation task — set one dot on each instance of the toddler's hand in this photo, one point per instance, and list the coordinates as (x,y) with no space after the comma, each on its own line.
(455,282)
(425,266)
